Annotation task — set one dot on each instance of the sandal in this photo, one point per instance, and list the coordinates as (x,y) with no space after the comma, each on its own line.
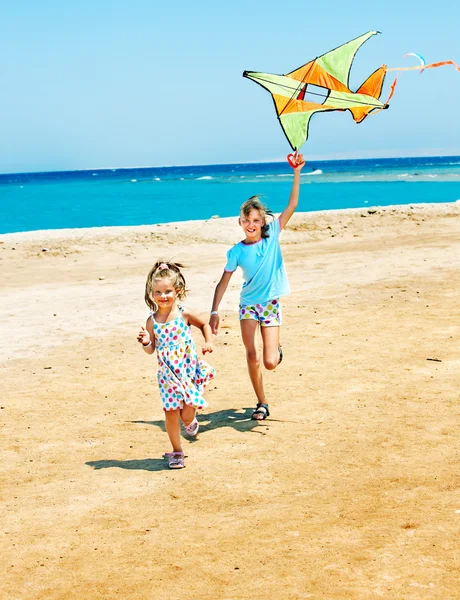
(280,350)
(261,409)
(176,460)
(192,428)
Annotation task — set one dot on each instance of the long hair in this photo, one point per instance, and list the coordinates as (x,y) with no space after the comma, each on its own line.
(254,203)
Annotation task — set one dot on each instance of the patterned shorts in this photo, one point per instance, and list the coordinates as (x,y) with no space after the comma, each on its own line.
(268,314)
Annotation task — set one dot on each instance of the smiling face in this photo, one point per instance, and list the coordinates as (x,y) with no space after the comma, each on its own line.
(164,294)
(252,224)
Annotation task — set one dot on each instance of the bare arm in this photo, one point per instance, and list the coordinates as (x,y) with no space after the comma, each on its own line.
(193,319)
(294,197)
(146,337)
(221,288)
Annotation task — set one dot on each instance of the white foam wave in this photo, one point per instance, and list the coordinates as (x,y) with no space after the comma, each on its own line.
(133,180)
(204,178)
(315,172)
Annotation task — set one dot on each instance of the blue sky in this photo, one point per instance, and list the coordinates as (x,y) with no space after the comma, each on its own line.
(145,83)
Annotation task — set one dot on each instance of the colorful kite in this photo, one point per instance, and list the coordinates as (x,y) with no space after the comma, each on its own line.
(327,79)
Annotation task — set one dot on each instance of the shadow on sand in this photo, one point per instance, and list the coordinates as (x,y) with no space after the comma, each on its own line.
(241,421)
(142,464)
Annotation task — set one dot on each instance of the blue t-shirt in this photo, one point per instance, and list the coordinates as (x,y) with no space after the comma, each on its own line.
(263,268)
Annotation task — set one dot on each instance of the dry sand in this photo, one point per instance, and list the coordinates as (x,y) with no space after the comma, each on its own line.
(349,491)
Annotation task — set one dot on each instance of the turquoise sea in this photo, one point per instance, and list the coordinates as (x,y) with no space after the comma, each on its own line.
(140,196)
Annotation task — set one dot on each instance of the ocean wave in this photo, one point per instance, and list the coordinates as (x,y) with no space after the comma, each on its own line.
(133,180)
(156,179)
(314,172)
(205,177)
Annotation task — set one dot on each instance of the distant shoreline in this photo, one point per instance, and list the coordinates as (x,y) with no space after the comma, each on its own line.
(116,230)
(309,160)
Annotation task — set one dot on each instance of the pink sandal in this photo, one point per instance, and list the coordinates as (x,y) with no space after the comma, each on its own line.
(176,460)
(192,428)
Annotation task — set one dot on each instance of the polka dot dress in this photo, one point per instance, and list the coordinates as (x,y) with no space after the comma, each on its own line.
(182,376)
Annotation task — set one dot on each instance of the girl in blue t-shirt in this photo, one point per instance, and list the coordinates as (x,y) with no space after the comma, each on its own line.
(265,281)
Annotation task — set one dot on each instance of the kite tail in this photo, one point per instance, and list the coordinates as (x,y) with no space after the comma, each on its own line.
(416,68)
(392,90)
(423,67)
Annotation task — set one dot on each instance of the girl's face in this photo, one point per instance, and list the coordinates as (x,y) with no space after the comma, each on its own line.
(252,225)
(164,293)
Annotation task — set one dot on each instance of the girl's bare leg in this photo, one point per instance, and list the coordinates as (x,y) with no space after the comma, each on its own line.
(188,413)
(173,428)
(271,340)
(249,329)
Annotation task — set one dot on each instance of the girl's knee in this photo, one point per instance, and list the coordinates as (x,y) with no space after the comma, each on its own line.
(252,357)
(271,363)
(172,415)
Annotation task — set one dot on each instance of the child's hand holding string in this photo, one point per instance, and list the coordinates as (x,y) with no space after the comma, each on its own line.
(298,161)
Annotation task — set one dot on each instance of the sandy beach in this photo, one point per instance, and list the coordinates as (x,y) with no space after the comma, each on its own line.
(350,490)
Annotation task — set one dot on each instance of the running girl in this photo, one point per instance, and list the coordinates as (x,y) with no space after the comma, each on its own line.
(181,374)
(265,281)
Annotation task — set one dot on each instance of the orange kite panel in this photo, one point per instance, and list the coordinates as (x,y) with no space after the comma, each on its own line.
(290,105)
(316,75)
(373,84)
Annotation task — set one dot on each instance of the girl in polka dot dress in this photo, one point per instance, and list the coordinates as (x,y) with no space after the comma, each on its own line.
(182,375)
(265,281)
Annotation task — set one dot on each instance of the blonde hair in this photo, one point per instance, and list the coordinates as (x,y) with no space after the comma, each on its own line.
(162,270)
(254,203)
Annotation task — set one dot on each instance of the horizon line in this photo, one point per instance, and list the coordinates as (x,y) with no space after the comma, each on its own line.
(268,161)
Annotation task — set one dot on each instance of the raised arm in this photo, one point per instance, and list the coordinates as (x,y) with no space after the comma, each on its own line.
(294,197)
(218,295)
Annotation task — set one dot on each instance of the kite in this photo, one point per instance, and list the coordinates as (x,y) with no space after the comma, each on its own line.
(326,78)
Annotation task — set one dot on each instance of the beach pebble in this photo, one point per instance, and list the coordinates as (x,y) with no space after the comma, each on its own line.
(101,278)
(45,249)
